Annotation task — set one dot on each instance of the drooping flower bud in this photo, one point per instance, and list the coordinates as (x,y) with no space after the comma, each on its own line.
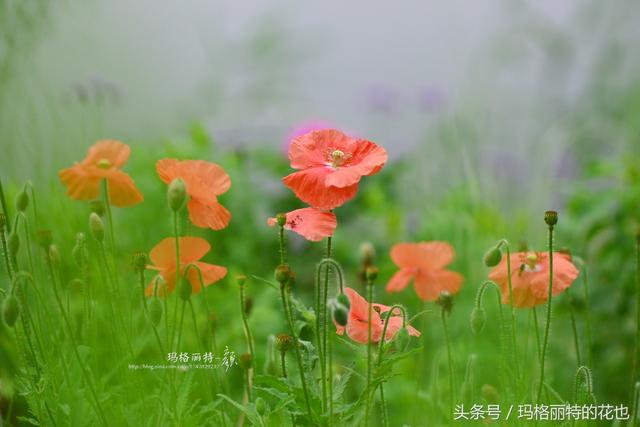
(13,243)
(79,252)
(96,226)
(176,194)
(283,273)
(343,299)
(155,311)
(245,361)
(22,200)
(551,218)
(401,340)
(281,219)
(489,393)
(261,405)
(185,289)
(492,257)
(10,310)
(340,314)
(97,207)
(477,319)
(284,342)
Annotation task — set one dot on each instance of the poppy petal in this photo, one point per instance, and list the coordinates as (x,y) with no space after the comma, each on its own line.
(80,183)
(210,274)
(214,216)
(167,169)
(115,152)
(191,250)
(430,284)
(314,149)
(309,186)
(367,159)
(122,190)
(312,224)
(399,280)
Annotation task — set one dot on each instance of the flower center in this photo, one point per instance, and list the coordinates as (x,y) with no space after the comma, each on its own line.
(532,262)
(337,158)
(104,163)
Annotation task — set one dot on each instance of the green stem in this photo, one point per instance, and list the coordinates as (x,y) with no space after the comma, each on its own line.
(245,323)
(178,275)
(587,311)
(5,210)
(324,328)
(445,328)
(283,362)
(514,345)
(636,354)
(107,208)
(574,327)
(5,251)
(285,305)
(369,352)
(548,324)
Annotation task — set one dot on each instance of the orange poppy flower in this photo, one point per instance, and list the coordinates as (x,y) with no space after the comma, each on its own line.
(104,160)
(530,277)
(357,323)
(312,224)
(330,165)
(163,257)
(424,263)
(204,182)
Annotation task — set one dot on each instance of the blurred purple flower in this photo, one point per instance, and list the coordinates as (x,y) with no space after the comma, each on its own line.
(381,99)
(432,99)
(301,129)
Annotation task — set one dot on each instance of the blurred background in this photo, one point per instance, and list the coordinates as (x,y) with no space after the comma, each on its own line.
(491,112)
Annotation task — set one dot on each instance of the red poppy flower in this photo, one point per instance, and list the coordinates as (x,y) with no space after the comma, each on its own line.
(192,249)
(312,224)
(104,160)
(358,320)
(530,277)
(330,165)
(204,182)
(424,263)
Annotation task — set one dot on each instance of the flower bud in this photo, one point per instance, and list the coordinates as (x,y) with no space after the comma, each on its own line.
(367,253)
(97,207)
(489,393)
(283,273)
(45,238)
(340,314)
(155,311)
(241,279)
(176,194)
(261,405)
(76,287)
(245,361)
(79,252)
(343,299)
(445,300)
(551,218)
(185,290)
(284,342)
(492,257)
(96,226)
(139,262)
(10,310)
(54,254)
(371,273)
(22,200)
(401,340)
(281,219)
(477,320)
(13,243)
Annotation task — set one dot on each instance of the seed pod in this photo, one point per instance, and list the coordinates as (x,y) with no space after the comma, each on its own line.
(284,342)
(245,361)
(401,341)
(340,314)
(261,405)
(139,262)
(551,218)
(13,242)
(22,200)
(176,194)
(155,311)
(96,226)
(10,310)
(283,273)
(281,219)
(492,257)
(445,300)
(477,319)
(371,273)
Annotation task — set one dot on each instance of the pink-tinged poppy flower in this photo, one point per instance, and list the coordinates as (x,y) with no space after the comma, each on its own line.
(192,249)
(357,322)
(204,181)
(104,161)
(302,129)
(424,263)
(530,277)
(330,165)
(312,224)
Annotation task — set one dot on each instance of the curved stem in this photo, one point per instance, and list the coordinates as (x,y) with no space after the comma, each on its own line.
(548,325)
(445,328)
(247,331)
(369,348)
(325,331)
(574,328)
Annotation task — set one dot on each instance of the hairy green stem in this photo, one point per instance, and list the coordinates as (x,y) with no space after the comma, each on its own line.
(369,350)
(445,329)
(547,328)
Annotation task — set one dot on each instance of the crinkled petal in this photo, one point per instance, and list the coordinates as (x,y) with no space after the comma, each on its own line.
(115,152)
(400,280)
(314,148)
(309,186)
(214,216)
(81,184)
(312,224)
(167,169)
(366,159)
(191,249)
(122,190)
(210,274)
(429,284)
